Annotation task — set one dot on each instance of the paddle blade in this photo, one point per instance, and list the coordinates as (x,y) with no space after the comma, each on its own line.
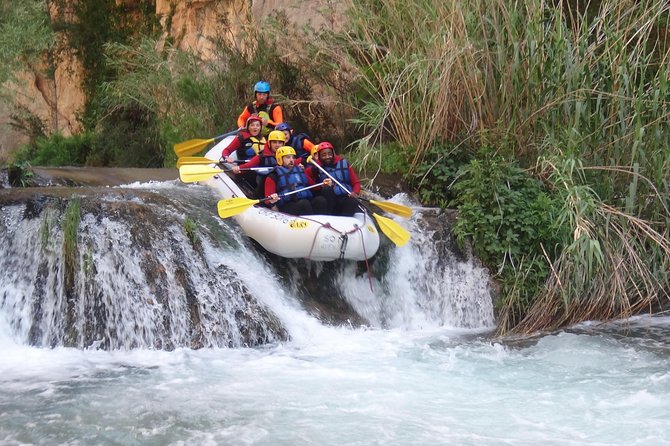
(191,173)
(233,206)
(191,147)
(185,160)
(396,233)
(393,208)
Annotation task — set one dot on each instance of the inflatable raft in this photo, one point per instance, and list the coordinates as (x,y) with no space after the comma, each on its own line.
(314,237)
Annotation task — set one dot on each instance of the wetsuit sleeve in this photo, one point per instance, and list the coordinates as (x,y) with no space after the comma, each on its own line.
(355,182)
(277,116)
(242,119)
(270,186)
(253,162)
(230,148)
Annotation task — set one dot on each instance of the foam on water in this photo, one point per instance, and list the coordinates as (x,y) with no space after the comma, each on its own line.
(431,376)
(344,387)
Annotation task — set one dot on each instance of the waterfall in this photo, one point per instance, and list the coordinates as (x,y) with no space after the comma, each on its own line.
(151,266)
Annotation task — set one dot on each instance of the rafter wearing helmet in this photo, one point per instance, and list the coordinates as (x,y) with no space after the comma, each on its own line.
(301,142)
(262,104)
(248,143)
(340,201)
(289,176)
(265,158)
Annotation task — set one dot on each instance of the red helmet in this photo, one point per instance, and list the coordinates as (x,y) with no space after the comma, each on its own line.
(325,145)
(253,118)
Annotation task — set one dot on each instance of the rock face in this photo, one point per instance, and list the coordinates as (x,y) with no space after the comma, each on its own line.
(191,25)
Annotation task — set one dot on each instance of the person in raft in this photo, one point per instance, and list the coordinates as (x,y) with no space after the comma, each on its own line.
(287,177)
(264,106)
(300,141)
(246,145)
(339,201)
(248,142)
(265,158)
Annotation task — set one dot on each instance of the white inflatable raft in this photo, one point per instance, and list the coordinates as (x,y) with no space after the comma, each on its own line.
(314,237)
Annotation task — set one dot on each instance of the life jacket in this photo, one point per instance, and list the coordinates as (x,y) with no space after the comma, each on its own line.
(249,145)
(339,171)
(268,107)
(266,160)
(297,142)
(288,180)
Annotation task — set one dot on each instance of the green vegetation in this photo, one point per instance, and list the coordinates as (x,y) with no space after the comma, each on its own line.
(45,230)
(191,228)
(70,243)
(545,124)
(57,150)
(25,34)
(555,119)
(20,174)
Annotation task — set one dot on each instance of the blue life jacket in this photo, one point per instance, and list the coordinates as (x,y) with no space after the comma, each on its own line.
(288,180)
(339,171)
(297,142)
(266,161)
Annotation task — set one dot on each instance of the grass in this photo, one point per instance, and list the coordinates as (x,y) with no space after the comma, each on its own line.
(70,242)
(575,93)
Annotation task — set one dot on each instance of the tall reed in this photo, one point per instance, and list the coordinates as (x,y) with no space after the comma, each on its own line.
(575,92)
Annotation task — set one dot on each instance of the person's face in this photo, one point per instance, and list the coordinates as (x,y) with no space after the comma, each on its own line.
(326,156)
(288,160)
(287,134)
(254,128)
(261,97)
(274,145)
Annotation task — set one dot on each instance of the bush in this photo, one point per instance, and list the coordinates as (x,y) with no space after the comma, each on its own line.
(511,222)
(58,150)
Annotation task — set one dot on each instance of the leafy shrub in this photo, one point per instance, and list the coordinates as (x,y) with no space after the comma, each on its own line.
(435,174)
(510,220)
(128,137)
(58,150)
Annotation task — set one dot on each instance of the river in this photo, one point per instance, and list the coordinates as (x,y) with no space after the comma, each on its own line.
(424,370)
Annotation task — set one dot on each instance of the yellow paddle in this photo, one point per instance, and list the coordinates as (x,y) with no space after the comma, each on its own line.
(233,206)
(396,233)
(184,160)
(193,146)
(191,173)
(389,206)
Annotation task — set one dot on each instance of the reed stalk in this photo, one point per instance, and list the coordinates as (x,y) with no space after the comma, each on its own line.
(575,92)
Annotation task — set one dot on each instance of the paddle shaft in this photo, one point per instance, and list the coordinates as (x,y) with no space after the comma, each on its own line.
(393,208)
(233,206)
(226,135)
(286,194)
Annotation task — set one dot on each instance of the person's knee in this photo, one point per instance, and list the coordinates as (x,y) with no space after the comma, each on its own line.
(320,205)
(304,207)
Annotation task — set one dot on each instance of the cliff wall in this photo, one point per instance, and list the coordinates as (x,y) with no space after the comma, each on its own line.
(191,25)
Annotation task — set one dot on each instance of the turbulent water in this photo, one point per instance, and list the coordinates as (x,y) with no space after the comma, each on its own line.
(422,368)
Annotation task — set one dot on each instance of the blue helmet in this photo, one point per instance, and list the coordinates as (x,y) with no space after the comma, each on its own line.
(262,87)
(283,126)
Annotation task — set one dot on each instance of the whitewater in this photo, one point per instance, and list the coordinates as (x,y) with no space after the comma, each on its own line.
(425,370)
